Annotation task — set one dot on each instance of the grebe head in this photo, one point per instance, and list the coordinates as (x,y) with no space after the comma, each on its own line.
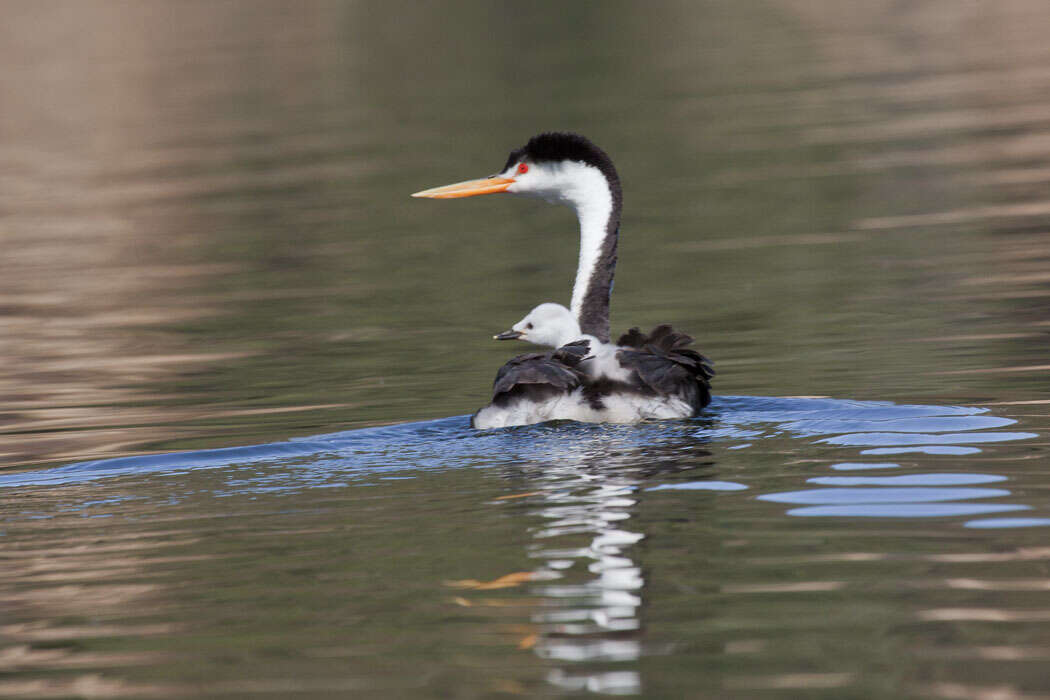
(551,325)
(558,167)
(566,169)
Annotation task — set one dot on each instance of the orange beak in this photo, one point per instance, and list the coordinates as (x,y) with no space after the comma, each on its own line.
(470,188)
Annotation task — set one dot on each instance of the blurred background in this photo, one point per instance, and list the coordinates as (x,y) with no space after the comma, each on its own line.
(208,240)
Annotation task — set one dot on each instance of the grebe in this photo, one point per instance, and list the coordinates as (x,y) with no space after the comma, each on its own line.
(588,378)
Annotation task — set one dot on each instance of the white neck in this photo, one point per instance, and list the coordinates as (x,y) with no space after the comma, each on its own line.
(593,214)
(585,189)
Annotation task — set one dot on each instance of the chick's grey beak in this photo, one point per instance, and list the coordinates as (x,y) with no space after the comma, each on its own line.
(507,335)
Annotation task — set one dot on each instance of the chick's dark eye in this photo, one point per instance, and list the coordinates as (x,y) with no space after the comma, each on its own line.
(523,168)
(529,326)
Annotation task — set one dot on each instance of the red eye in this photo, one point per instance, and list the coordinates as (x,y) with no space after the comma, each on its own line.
(523,168)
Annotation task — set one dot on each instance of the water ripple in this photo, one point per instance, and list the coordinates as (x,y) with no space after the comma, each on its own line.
(881,495)
(908,480)
(858,466)
(906,510)
(343,459)
(994,523)
(925,449)
(700,486)
(858,439)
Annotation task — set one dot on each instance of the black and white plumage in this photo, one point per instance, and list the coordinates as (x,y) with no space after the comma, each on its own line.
(663,363)
(639,377)
(536,387)
(642,376)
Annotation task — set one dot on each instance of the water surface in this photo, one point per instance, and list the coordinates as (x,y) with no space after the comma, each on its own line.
(237,357)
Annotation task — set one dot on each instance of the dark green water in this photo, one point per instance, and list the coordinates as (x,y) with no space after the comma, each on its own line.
(208,244)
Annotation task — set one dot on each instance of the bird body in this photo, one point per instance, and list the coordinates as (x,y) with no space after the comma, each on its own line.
(574,405)
(586,377)
(641,377)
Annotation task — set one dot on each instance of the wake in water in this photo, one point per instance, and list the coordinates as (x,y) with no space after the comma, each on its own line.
(586,496)
(734,423)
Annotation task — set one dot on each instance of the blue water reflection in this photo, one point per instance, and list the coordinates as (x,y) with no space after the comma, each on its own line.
(881,495)
(360,457)
(907,510)
(995,523)
(883,424)
(908,480)
(700,486)
(896,430)
(857,439)
(583,486)
(923,449)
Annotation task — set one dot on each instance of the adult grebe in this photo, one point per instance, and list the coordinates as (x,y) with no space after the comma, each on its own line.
(639,378)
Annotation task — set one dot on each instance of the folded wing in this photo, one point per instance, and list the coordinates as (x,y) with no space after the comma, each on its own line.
(539,375)
(662,362)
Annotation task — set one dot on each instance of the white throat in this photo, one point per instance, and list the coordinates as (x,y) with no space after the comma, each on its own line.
(584,188)
(593,202)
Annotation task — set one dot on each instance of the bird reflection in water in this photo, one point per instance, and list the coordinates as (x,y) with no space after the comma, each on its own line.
(589,586)
(595,619)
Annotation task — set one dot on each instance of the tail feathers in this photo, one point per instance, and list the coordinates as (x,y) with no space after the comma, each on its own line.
(662,362)
(665,341)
